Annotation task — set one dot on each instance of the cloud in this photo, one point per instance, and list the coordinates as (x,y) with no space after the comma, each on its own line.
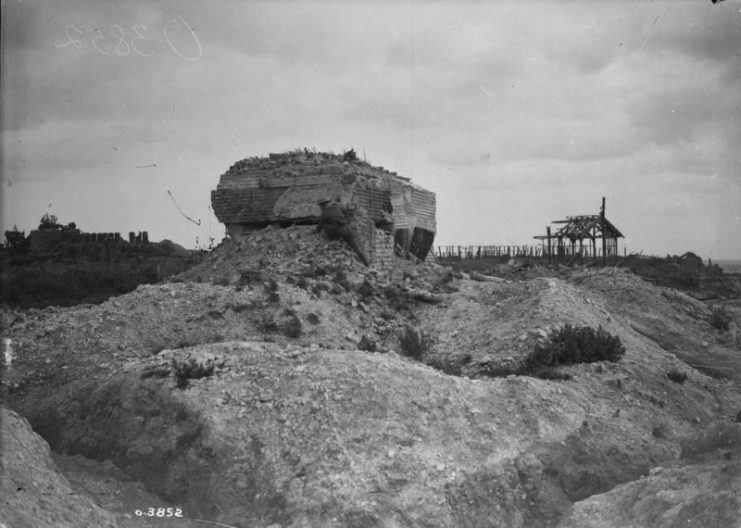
(504,109)
(709,34)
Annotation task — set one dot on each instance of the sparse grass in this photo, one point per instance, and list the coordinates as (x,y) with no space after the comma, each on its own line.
(720,318)
(187,341)
(368,344)
(413,343)
(677,376)
(188,370)
(452,368)
(341,279)
(241,307)
(365,290)
(292,326)
(271,291)
(550,373)
(247,278)
(396,298)
(286,323)
(659,431)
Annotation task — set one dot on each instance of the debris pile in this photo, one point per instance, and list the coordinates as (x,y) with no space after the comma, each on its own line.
(283,383)
(33,493)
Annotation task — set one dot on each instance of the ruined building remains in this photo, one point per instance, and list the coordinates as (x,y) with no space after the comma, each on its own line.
(600,235)
(389,214)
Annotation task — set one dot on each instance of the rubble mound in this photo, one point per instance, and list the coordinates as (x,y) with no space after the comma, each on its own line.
(701,489)
(275,251)
(282,383)
(33,493)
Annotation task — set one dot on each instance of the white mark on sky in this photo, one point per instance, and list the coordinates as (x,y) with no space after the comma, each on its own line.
(486,92)
(648,33)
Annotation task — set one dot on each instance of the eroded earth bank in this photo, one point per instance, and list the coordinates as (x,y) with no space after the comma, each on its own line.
(291,386)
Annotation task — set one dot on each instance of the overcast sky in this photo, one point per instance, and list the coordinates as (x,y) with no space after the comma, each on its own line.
(514,113)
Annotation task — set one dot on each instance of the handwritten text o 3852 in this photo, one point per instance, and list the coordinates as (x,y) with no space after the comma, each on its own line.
(118,41)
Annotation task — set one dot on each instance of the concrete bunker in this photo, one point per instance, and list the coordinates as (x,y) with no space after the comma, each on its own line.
(389,214)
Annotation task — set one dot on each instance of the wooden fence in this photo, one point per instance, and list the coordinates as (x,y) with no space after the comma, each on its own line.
(476,252)
(473,252)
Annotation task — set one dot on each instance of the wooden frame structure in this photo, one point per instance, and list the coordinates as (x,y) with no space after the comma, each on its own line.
(563,243)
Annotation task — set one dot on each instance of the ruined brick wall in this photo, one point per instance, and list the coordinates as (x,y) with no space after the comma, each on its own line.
(287,188)
(384,250)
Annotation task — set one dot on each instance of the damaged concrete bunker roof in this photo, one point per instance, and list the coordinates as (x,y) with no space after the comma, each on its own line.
(286,189)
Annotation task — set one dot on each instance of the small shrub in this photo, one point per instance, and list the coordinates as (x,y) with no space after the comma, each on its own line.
(241,307)
(396,298)
(221,281)
(273,297)
(312,318)
(349,155)
(247,277)
(189,370)
(450,367)
(319,287)
(387,315)
(292,326)
(720,318)
(268,323)
(368,344)
(550,373)
(186,341)
(659,431)
(575,344)
(677,376)
(413,343)
(215,314)
(341,279)
(366,290)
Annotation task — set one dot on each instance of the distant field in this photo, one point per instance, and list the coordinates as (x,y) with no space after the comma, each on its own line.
(729,266)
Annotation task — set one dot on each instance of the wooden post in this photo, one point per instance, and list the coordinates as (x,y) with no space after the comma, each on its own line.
(548,231)
(602,225)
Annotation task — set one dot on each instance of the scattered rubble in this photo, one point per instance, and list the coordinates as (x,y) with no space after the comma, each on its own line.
(700,489)
(33,493)
(283,383)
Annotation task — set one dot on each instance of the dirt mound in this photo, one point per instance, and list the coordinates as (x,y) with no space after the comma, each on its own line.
(275,251)
(283,285)
(676,322)
(702,490)
(268,387)
(33,492)
(292,435)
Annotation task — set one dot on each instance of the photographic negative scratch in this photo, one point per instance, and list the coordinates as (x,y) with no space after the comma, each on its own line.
(486,92)
(181,211)
(648,33)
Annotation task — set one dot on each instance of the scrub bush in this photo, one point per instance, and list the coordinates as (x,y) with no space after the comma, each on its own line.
(575,344)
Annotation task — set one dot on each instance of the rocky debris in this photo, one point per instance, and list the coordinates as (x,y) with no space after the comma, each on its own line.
(33,493)
(302,411)
(350,223)
(701,490)
(475,275)
(293,435)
